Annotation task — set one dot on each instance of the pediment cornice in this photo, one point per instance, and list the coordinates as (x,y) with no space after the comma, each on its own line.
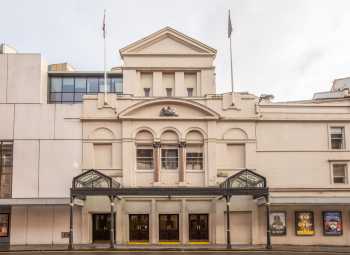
(166,109)
(197,47)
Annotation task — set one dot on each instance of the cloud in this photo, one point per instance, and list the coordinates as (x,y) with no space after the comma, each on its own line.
(290,48)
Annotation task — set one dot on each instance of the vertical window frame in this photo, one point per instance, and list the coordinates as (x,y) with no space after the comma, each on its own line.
(54,97)
(144,147)
(2,167)
(346,172)
(343,143)
(166,158)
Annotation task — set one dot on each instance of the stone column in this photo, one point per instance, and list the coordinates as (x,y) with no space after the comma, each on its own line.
(156,153)
(182,162)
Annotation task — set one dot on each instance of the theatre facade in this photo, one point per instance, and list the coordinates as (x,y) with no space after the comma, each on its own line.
(161,158)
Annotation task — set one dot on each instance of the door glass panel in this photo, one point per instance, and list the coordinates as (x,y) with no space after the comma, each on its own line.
(199,227)
(101,227)
(4,224)
(168,227)
(139,227)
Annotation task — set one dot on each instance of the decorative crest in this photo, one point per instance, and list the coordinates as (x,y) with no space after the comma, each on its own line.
(167,111)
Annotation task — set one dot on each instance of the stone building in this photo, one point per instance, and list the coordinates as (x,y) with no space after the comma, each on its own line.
(162,128)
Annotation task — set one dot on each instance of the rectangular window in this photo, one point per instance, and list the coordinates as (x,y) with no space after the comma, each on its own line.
(190,92)
(194,157)
(92,85)
(169,92)
(4,224)
(339,172)
(190,82)
(147,91)
(337,138)
(168,80)
(67,85)
(169,158)
(6,160)
(144,158)
(72,89)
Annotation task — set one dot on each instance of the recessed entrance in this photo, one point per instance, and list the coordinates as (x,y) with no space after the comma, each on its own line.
(168,227)
(198,227)
(138,228)
(101,227)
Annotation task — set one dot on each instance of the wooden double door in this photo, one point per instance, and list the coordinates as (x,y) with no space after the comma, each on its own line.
(138,227)
(101,227)
(198,227)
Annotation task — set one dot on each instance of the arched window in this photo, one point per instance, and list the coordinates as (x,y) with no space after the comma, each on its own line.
(194,150)
(170,151)
(144,150)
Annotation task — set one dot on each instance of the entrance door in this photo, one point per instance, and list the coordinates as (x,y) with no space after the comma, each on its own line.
(101,223)
(168,227)
(241,227)
(199,227)
(138,228)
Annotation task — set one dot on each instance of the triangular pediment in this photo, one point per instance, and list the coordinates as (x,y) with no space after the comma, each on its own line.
(167,41)
(168,109)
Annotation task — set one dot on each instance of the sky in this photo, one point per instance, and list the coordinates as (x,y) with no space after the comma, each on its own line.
(288,48)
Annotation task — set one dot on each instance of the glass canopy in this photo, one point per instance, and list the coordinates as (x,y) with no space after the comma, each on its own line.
(244,179)
(94,179)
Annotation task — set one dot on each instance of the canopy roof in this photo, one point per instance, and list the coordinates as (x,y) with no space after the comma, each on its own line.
(95,183)
(94,179)
(244,179)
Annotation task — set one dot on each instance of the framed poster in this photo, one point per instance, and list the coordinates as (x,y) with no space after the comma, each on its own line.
(332,223)
(4,224)
(304,223)
(278,223)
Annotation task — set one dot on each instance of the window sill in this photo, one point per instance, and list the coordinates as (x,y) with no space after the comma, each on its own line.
(195,171)
(144,170)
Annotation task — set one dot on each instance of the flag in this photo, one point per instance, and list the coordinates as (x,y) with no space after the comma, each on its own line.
(104,25)
(229,30)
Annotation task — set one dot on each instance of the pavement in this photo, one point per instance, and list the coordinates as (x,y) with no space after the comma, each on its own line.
(102,249)
(105,252)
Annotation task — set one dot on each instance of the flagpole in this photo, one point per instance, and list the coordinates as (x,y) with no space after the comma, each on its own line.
(232,85)
(104,58)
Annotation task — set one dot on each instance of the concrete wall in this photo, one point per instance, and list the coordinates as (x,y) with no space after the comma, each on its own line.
(43,224)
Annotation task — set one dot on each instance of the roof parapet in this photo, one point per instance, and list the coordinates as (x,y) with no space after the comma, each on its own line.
(7,49)
(61,67)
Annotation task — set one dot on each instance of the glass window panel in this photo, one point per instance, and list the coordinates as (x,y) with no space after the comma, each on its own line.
(147,91)
(6,154)
(144,158)
(118,84)
(56,84)
(68,85)
(169,92)
(111,85)
(78,97)
(169,158)
(80,85)
(67,97)
(92,85)
(190,92)
(55,97)
(339,173)
(5,191)
(337,138)
(4,224)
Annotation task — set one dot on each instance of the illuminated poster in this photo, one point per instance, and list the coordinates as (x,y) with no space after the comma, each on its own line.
(278,225)
(4,224)
(304,223)
(332,224)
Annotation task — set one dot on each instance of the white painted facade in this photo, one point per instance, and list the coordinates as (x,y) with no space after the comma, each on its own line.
(288,143)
